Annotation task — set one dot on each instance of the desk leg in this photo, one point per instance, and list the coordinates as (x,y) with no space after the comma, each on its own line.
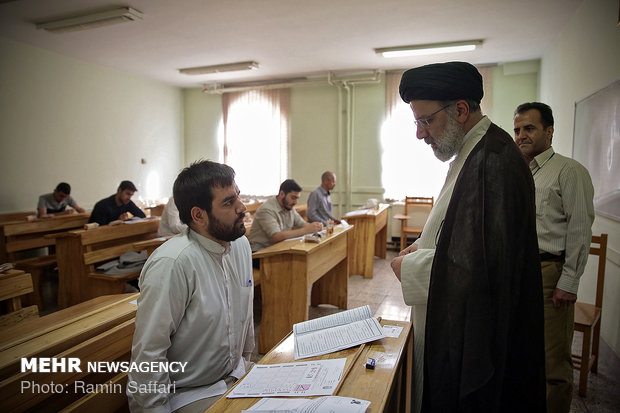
(369,256)
(381,243)
(285,298)
(332,288)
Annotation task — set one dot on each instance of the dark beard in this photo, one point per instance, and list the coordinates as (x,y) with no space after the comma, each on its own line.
(221,232)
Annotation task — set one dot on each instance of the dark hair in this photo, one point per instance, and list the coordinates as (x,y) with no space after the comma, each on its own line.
(127,185)
(193,186)
(546,114)
(63,187)
(289,186)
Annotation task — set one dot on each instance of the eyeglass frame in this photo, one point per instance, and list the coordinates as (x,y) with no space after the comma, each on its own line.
(425,122)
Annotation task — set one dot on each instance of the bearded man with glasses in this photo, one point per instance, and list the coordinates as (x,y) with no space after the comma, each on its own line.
(473,277)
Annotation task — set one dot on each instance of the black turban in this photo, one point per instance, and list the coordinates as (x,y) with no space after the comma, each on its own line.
(442,81)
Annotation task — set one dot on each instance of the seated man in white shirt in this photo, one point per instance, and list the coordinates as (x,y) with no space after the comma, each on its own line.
(195,305)
(170,223)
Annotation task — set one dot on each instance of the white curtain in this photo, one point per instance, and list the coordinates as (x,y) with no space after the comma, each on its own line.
(255,138)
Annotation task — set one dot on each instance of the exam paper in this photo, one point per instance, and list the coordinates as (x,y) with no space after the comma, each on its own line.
(309,378)
(327,404)
(335,332)
(357,212)
(337,338)
(392,331)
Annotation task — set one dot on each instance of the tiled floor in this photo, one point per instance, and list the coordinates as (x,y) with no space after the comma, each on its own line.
(383,294)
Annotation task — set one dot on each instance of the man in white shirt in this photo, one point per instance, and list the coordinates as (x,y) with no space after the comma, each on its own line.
(170,223)
(195,304)
(564,216)
(473,277)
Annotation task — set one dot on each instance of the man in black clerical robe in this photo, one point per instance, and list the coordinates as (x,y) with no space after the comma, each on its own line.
(483,343)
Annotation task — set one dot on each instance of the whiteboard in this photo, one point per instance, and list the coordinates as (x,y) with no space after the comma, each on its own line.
(596,145)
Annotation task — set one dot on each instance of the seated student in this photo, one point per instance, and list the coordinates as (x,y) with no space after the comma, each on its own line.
(170,223)
(117,206)
(195,304)
(56,202)
(277,220)
(319,201)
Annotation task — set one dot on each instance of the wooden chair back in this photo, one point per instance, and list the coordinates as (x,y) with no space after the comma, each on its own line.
(410,201)
(601,252)
(588,320)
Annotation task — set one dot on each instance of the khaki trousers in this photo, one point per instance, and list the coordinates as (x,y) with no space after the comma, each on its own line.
(558,342)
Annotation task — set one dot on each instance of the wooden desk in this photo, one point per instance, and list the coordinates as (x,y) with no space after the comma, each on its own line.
(388,387)
(370,239)
(16,216)
(97,330)
(79,251)
(288,269)
(23,235)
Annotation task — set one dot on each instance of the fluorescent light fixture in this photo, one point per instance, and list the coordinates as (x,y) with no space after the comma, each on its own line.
(426,49)
(229,67)
(93,20)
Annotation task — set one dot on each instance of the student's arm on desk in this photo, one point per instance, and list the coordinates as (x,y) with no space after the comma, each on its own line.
(308,228)
(415,274)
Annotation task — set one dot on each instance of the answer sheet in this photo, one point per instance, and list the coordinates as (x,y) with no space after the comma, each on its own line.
(327,404)
(309,378)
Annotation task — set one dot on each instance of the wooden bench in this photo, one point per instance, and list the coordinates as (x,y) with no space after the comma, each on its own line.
(99,330)
(79,252)
(13,285)
(22,235)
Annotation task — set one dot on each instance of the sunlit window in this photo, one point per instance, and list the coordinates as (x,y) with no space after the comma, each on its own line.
(409,167)
(255,139)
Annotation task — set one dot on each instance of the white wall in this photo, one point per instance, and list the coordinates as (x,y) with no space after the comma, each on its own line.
(202,114)
(585,58)
(67,120)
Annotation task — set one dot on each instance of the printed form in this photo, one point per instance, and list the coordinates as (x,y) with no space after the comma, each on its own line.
(309,378)
(335,332)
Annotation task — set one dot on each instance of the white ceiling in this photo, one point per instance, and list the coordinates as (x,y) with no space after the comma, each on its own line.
(288,38)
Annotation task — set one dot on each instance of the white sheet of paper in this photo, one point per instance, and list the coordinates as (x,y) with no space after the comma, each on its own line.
(327,404)
(333,320)
(180,399)
(309,378)
(337,338)
(357,212)
(392,331)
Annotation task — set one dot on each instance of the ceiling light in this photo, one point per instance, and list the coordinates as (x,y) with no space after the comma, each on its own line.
(426,49)
(93,20)
(229,67)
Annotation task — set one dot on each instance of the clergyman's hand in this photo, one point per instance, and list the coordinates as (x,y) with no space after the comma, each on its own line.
(396,265)
(411,248)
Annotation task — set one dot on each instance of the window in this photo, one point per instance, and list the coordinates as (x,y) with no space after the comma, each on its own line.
(255,139)
(409,166)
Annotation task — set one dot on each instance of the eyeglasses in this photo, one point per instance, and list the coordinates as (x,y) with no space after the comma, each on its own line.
(425,122)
